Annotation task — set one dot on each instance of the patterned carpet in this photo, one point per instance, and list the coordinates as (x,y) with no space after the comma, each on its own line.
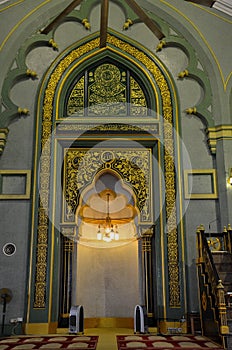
(49,342)
(175,342)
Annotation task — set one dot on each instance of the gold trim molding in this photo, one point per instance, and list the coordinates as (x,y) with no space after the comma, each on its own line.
(27,190)
(213,180)
(220,132)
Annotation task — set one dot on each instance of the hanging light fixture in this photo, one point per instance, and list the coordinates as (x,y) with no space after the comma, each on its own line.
(108,231)
(107,217)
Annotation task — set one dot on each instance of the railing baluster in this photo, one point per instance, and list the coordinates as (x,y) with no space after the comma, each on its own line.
(229,234)
(205,257)
(221,304)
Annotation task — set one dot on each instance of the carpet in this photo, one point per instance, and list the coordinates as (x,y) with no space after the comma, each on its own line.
(175,342)
(49,342)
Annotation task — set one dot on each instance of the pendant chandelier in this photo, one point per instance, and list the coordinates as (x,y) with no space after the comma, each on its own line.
(107,217)
(107,232)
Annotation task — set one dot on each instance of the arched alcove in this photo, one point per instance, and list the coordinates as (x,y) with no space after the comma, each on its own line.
(130,132)
(107,213)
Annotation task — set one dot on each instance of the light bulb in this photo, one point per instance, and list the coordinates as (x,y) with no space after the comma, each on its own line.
(112,233)
(99,236)
(107,229)
(106,239)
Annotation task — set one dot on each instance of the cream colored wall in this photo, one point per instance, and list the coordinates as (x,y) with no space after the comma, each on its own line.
(107,282)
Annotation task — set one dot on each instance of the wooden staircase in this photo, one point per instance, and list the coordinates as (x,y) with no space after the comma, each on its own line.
(214,266)
(223,264)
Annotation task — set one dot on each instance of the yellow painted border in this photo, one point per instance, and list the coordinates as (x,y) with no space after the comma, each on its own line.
(20,22)
(27,193)
(189,195)
(203,8)
(225,80)
(11,5)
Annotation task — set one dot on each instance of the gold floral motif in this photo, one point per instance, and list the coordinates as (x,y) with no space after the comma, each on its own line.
(154,128)
(173,269)
(40,278)
(75,103)
(68,231)
(107,94)
(81,166)
(138,100)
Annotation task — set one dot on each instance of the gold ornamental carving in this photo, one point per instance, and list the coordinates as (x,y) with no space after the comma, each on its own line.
(107,90)
(45,163)
(116,127)
(170,186)
(133,167)
(146,235)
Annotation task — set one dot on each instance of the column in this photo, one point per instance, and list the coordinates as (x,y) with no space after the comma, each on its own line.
(146,235)
(67,248)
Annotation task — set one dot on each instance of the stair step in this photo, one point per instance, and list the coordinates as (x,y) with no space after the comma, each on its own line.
(225,276)
(222,257)
(224,267)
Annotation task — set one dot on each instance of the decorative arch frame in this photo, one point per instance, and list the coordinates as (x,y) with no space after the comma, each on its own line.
(125,169)
(125,187)
(41,304)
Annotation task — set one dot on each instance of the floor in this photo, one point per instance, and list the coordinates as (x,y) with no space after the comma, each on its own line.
(107,336)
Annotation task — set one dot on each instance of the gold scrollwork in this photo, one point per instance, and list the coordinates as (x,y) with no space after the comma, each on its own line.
(81,166)
(120,128)
(170,193)
(45,163)
(107,93)
(55,77)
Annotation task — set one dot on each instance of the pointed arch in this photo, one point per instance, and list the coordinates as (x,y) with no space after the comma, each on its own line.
(56,133)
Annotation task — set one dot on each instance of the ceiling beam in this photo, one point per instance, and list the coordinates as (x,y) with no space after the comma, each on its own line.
(144,18)
(104,22)
(59,18)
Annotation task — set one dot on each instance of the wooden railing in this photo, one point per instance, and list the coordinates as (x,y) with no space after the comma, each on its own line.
(206,243)
(220,241)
